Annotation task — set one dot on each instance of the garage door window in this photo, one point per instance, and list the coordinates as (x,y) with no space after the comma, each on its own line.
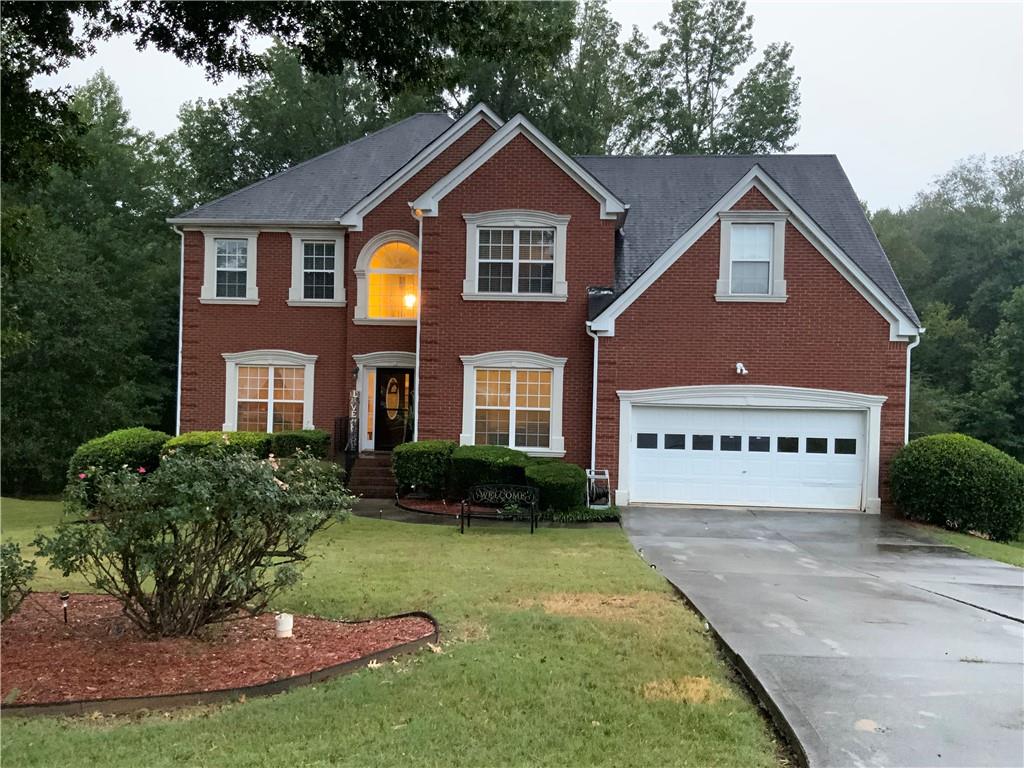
(788,445)
(817,445)
(703,442)
(759,444)
(647,440)
(675,442)
(731,443)
(846,446)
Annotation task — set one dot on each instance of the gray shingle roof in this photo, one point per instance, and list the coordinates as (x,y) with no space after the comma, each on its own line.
(324,187)
(667,195)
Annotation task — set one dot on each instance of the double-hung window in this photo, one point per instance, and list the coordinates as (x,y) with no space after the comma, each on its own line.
(516,261)
(229,272)
(317,269)
(515,256)
(232,267)
(752,261)
(513,399)
(269,391)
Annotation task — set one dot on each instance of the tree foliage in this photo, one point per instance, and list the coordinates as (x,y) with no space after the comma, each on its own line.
(959,253)
(686,96)
(198,540)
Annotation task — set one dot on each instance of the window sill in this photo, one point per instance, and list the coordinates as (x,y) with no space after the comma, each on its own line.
(542,452)
(315,303)
(514,297)
(751,298)
(242,302)
(384,320)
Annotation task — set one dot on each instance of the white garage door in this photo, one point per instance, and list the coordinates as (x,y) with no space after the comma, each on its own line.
(767,457)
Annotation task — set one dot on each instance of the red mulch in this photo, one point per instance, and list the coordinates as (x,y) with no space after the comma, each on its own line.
(99,654)
(434,506)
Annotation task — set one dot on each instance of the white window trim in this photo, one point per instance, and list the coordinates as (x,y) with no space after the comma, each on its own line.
(514,360)
(208,292)
(514,219)
(758,396)
(776,270)
(362,269)
(295,291)
(267,357)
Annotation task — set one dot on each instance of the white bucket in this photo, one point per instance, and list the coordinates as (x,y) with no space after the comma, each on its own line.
(283,625)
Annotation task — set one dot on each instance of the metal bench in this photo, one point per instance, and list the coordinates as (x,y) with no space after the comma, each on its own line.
(499,502)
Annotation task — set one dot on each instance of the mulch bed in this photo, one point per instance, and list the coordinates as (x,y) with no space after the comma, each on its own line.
(430,506)
(100,654)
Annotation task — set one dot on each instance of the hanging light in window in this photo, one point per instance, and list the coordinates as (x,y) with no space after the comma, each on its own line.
(410,300)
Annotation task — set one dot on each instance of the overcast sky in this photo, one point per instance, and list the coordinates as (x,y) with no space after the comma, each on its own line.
(899,91)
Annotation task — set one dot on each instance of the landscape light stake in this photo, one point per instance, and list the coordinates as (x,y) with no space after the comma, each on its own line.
(64,597)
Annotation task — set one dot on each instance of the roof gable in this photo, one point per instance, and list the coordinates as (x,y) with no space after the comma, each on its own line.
(903,324)
(317,190)
(429,201)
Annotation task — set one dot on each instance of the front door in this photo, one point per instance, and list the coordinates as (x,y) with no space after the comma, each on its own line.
(393,411)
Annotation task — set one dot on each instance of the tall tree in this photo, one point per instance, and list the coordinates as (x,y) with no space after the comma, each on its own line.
(96,319)
(682,96)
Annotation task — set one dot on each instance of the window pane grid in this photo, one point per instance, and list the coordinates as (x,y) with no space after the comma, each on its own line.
(317,270)
(261,408)
(513,407)
(232,267)
(751,248)
(516,260)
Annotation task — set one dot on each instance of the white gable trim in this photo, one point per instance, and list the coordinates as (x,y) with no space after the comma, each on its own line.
(353,217)
(428,202)
(901,326)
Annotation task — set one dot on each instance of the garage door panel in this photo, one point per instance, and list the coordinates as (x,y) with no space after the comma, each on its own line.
(761,472)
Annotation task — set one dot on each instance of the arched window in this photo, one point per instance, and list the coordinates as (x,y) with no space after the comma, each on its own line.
(387,279)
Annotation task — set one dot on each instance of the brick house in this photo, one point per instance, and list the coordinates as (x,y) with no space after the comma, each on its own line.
(709,330)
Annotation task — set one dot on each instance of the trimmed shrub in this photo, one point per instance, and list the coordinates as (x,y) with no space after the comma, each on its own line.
(486,465)
(585,515)
(134,448)
(562,486)
(960,483)
(202,538)
(14,578)
(315,442)
(210,443)
(423,466)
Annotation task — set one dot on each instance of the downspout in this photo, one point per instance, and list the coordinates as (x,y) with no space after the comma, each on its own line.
(593,402)
(181,330)
(906,397)
(418,215)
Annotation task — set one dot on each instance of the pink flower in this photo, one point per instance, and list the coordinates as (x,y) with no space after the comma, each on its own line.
(81,475)
(142,470)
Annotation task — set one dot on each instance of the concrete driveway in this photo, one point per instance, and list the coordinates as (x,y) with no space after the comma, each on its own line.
(871,644)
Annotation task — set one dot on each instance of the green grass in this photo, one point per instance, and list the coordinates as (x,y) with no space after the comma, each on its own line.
(1011,552)
(512,684)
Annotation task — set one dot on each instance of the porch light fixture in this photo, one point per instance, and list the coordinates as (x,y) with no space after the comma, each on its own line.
(741,369)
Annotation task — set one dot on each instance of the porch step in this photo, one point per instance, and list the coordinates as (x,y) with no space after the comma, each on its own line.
(371,476)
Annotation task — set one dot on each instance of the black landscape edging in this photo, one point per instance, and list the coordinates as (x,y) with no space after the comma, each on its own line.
(550,523)
(130,704)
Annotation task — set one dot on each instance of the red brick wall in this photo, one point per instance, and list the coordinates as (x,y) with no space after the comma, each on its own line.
(212,329)
(825,336)
(328,332)
(519,176)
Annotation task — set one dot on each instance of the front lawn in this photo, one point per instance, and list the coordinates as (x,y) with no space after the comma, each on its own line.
(1011,552)
(561,648)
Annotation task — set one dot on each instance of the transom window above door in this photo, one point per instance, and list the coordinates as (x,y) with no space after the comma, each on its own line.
(515,256)
(387,275)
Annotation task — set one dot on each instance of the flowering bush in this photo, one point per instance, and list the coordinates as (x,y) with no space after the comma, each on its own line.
(199,538)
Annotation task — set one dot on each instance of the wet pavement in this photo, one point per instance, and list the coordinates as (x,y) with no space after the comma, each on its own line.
(872,644)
